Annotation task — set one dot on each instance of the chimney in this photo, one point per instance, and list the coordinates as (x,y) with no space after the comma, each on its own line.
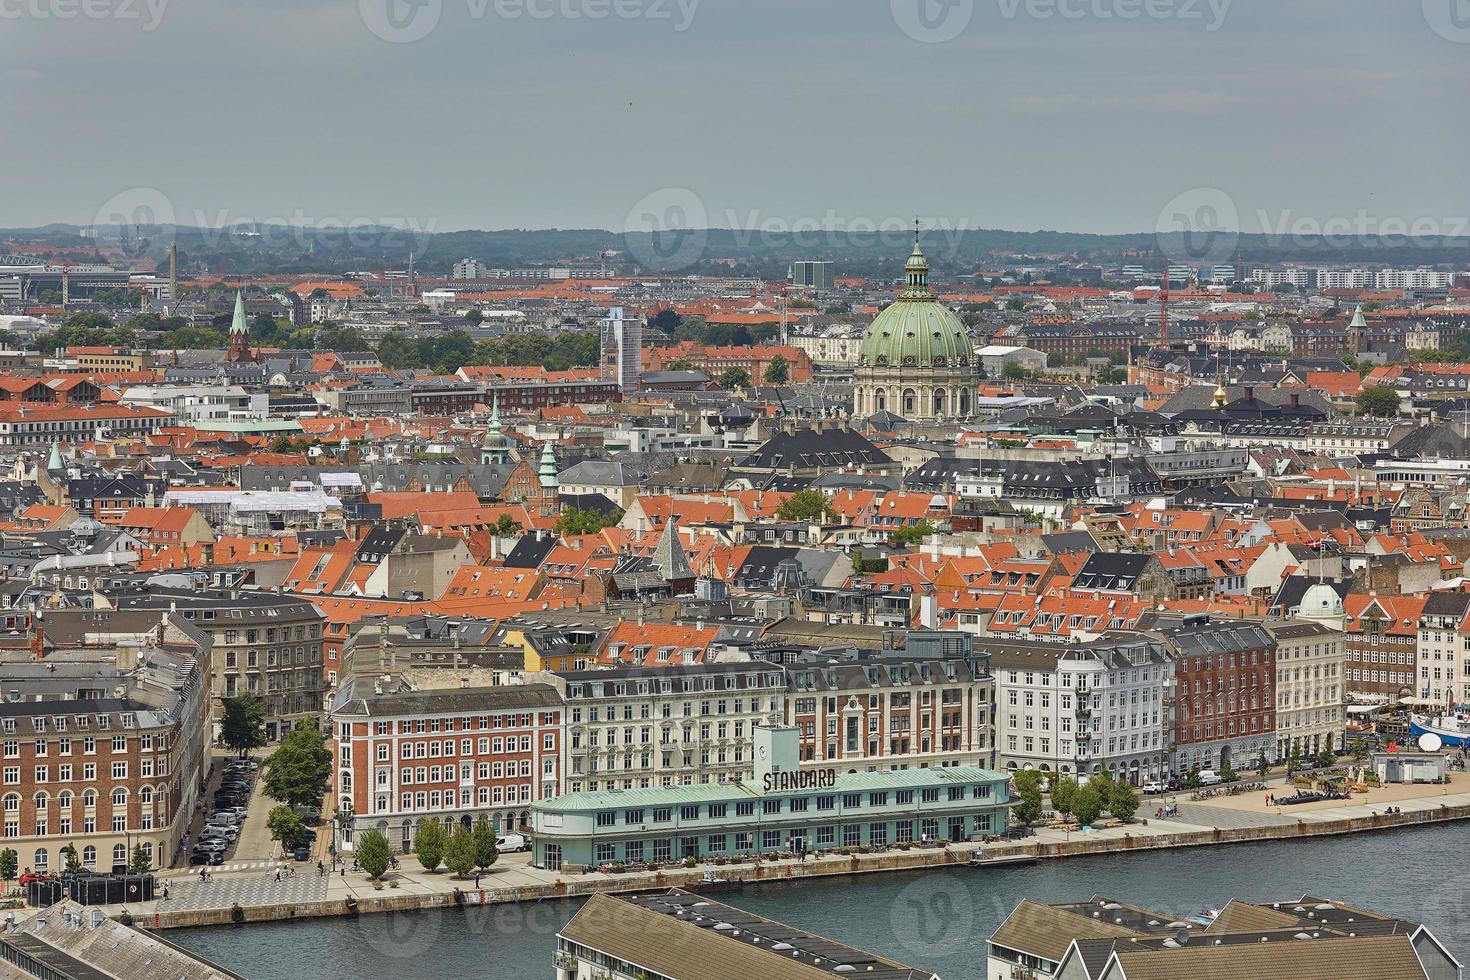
(38,640)
(1250,393)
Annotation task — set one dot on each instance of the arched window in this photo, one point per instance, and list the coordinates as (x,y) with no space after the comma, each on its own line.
(120,854)
(12,802)
(119,797)
(42,802)
(882,403)
(63,799)
(145,795)
(41,860)
(89,857)
(964,403)
(939,401)
(148,850)
(89,797)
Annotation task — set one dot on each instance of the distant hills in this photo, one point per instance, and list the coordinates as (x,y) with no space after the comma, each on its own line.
(277,249)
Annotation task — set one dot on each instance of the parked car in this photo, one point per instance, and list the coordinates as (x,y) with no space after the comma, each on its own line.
(207,855)
(511,843)
(1155,786)
(301,854)
(1209,777)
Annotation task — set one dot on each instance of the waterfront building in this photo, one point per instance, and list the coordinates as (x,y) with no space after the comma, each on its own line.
(917,360)
(1081,708)
(1225,703)
(1104,939)
(1311,659)
(785,807)
(104,729)
(403,756)
(1382,634)
(635,728)
(897,712)
(1443,640)
(67,941)
(679,936)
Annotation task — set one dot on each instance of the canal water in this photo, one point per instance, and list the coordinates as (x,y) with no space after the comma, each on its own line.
(938,920)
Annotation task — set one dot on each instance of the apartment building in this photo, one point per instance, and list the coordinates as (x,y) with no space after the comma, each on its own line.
(1444,646)
(1381,642)
(636,728)
(1311,660)
(1083,708)
(1225,701)
(404,756)
(893,712)
(265,643)
(104,744)
(23,425)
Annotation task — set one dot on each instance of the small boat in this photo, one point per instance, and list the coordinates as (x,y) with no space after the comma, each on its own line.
(711,883)
(1453,729)
(1008,861)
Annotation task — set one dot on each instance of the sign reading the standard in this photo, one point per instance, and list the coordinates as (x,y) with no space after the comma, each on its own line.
(810,779)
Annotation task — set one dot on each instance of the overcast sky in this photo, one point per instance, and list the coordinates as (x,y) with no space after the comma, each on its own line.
(1036,114)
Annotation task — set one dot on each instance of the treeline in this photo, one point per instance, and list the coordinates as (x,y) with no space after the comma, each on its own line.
(448,352)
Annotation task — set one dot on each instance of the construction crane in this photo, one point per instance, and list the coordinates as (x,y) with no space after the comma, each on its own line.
(1164,308)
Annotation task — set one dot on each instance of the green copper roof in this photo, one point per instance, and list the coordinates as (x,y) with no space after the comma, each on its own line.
(1358,319)
(547,470)
(54,463)
(916,330)
(238,326)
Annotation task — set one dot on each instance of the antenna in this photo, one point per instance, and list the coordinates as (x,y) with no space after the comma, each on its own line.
(1164,308)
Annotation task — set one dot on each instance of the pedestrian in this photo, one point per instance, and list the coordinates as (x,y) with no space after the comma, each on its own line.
(165,891)
(278,874)
(477,879)
(321,869)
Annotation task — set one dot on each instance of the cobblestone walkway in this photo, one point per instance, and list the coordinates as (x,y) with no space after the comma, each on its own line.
(248,891)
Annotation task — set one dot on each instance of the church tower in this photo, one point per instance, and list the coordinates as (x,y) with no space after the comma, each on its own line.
(240,333)
(494,449)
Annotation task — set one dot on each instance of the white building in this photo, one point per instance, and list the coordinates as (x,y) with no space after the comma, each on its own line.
(622,349)
(832,345)
(1311,663)
(193,404)
(469,269)
(1083,708)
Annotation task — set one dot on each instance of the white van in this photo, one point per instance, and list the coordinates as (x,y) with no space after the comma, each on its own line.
(1209,777)
(510,843)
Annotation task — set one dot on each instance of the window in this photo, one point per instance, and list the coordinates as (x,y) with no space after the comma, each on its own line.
(607,818)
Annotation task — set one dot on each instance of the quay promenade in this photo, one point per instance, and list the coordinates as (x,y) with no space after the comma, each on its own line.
(1217,821)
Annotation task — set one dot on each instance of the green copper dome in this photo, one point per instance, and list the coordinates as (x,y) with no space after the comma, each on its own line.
(916,330)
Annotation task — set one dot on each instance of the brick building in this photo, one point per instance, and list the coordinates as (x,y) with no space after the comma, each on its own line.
(403,757)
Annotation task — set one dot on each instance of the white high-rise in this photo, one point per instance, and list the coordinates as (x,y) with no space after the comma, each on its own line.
(622,349)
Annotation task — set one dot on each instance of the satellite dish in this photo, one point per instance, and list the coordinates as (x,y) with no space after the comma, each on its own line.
(1430,742)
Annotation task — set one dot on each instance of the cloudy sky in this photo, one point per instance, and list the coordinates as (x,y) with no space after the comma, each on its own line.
(1078,115)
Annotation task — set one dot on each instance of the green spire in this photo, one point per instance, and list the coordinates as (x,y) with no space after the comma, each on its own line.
(1358,319)
(238,327)
(547,470)
(916,274)
(54,463)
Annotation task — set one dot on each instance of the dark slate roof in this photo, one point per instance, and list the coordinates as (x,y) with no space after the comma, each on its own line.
(1066,542)
(530,551)
(832,448)
(1116,571)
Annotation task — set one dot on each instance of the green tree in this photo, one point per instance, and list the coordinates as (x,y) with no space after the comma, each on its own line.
(577,520)
(1028,788)
(1294,758)
(1122,801)
(1262,766)
(1326,759)
(428,843)
(666,321)
(1378,402)
(335,338)
(9,864)
(141,862)
(1112,376)
(778,372)
(296,773)
(475,316)
(806,505)
(73,861)
(1359,753)
(1087,805)
(1191,781)
(373,853)
(735,378)
(284,825)
(679,365)
(911,534)
(459,852)
(1015,372)
(504,526)
(243,725)
(1227,772)
(1063,793)
(486,851)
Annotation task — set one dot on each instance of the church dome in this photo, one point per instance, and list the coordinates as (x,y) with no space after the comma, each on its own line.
(916,330)
(1320,602)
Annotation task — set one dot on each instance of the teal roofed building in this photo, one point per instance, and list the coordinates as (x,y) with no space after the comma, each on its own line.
(785,808)
(917,359)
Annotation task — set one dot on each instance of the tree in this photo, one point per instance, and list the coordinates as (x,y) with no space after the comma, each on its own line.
(475,316)
(141,862)
(1087,805)
(1227,772)
(735,378)
(459,852)
(1112,376)
(486,851)
(284,825)
(778,372)
(1028,788)
(1262,766)
(1122,801)
(297,772)
(806,505)
(1326,759)
(1015,372)
(1063,793)
(911,534)
(373,853)
(1294,758)
(577,520)
(243,727)
(666,321)
(1360,752)
(9,864)
(679,365)
(73,860)
(504,526)
(1378,402)
(428,843)
(1192,780)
